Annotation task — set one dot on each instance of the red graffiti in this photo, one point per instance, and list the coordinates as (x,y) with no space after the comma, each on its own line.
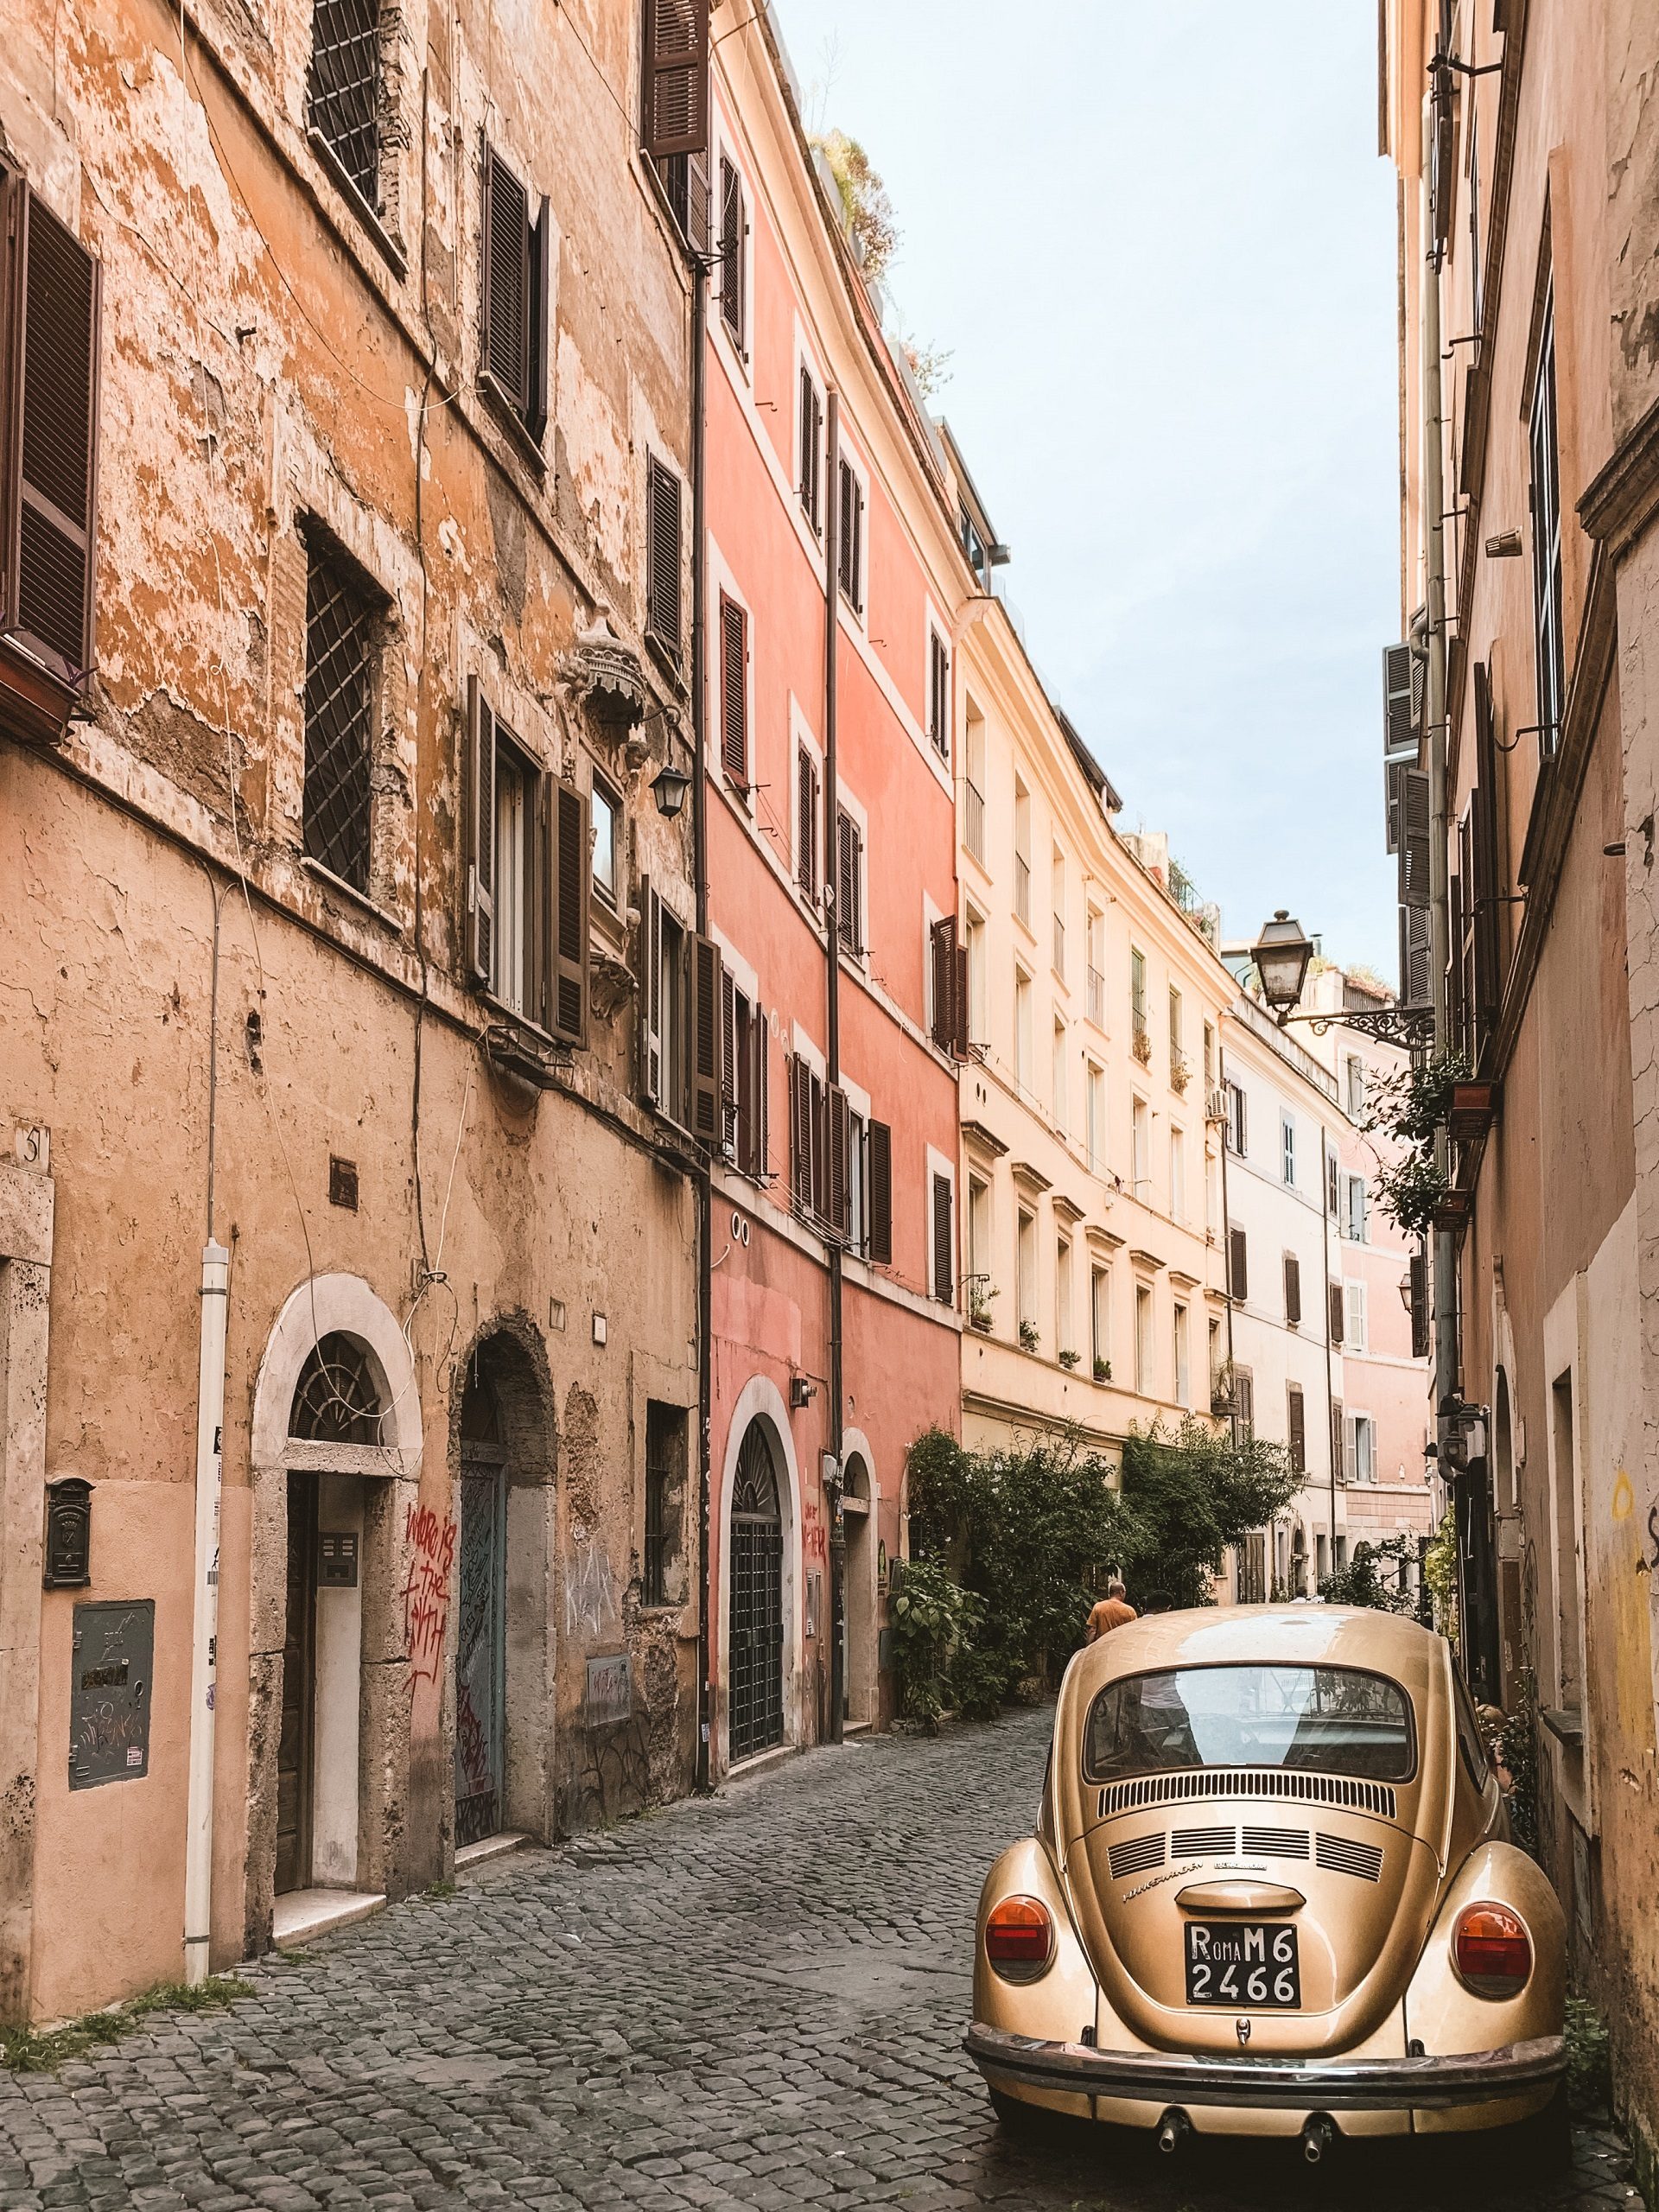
(815,1538)
(431,1540)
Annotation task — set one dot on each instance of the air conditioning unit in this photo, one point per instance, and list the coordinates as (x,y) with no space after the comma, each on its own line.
(1215,1105)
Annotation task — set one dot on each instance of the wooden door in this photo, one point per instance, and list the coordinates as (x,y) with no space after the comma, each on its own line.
(298,1689)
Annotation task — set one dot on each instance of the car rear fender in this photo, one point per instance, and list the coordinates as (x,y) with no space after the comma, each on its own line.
(1062,2003)
(1445,2018)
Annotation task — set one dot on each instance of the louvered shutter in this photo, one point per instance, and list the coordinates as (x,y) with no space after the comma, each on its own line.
(481,833)
(760,1122)
(1296,1423)
(881,1142)
(944,935)
(1415,941)
(806,824)
(945,1248)
(540,293)
(1399,700)
(1244,1398)
(1293,1290)
(960,1040)
(651,994)
(838,1204)
(51,437)
(800,1133)
(735,690)
(1456,1005)
(848,873)
(850,561)
(662,555)
(811,436)
(1414,837)
(734,1072)
(674,116)
(1339,1456)
(1488,979)
(1336,1312)
(505,291)
(1393,774)
(704,1041)
(1419,1280)
(699,227)
(566,968)
(733,224)
(1238,1273)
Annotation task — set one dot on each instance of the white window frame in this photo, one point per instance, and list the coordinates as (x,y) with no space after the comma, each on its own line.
(1287,1149)
(1094,1096)
(1177,1172)
(1146,1323)
(975,941)
(1060,1103)
(1065,1293)
(1350,1184)
(1356,1317)
(1025,1042)
(1140,1148)
(1182,1350)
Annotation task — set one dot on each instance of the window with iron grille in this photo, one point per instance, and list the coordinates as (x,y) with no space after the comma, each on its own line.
(343,622)
(345,90)
(665,1432)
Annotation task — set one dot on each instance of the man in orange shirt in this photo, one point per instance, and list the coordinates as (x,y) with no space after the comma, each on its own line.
(1111,1612)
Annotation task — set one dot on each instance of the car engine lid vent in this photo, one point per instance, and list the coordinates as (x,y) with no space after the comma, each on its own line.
(1276,1843)
(1347,1790)
(1136,1856)
(1202,1843)
(1338,1856)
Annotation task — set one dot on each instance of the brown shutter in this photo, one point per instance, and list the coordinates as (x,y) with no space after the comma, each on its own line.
(848,875)
(674,111)
(806,824)
(944,1248)
(565,961)
(51,440)
(943,935)
(1455,1008)
(1419,1304)
(961,1037)
(800,1133)
(1415,954)
(735,1073)
(706,968)
(1488,980)
(838,1204)
(505,290)
(732,226)
(734,692)
(812,431)
(1238,1274)
(881,1193)
(698,212)
(541,283)
(1292,1291)
(939,694)
(480,832)
(1244,1398)
(1339,1457)
(651,994)
(759,1046)
(1297,1425)
(1336,1303)
(662,555)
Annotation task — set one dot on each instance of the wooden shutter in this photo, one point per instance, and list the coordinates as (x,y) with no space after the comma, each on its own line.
(1414,837)
(698,225)
(960,1040)
(800,1133)
(674,112)
(838,1203)
(943,935)
(566,966)
(505,289)
(1415,953)
(735,1070)
(849,875)
(735,690)
(1292,1291)
(945,1248)
(811,435)
(541,288)
(1488,981)
(704,1044)
(662,555)
(1244,1397)
(1338,1460)
(733,224)
(481,833)
(50,444)
(651,994)
(1335,1302)
(759,1046)
(1400,693)
(939,706)
(880,1141)
(851,561)
(806,824)
(1419,1304)
(1456,1002)
(1238,1273)
(1298,1428)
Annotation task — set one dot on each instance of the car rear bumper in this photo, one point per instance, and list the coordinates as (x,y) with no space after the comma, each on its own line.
(1303,2085)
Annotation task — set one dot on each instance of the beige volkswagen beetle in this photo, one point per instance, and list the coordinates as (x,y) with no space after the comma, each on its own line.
(1272,1893)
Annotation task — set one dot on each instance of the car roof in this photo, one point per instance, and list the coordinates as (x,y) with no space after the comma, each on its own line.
(1308,1636)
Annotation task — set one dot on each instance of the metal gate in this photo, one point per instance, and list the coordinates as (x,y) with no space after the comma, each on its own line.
(755,1673)
(480,1646)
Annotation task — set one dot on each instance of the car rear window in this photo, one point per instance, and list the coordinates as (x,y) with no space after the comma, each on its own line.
(1335,1719)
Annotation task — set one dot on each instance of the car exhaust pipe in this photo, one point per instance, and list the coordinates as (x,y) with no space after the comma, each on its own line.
(1317,2134)
(1174,2129)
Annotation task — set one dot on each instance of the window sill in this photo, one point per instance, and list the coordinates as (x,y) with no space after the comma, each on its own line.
(326,875)
(36,702)
(667,658)
(519,1048)
(514,423)
(346,185)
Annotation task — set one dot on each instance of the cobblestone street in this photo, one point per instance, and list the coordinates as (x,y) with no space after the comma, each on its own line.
(753,2000)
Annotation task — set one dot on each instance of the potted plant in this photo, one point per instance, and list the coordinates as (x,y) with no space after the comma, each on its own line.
(1029,1336)
(1102,1369)
(979,1305)
(1180,1073)
(1069,1359)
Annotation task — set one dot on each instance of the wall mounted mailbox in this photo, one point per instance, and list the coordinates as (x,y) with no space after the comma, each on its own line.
(68,1546)
(109,1697)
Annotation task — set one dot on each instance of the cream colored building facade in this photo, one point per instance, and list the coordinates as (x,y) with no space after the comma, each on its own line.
(1092,1272)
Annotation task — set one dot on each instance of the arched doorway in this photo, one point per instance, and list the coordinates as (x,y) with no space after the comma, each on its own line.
(858,1611)
(755,1612)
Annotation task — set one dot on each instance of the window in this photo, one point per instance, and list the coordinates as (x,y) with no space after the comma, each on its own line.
(1476,274)
(849,554)
(1022,1040)
(973,788)
(944,1247)
(1331,1184)
(1292,1291)
(1356,1218)
(806,823)
(1096,966)
(1354,1085)
(1183,1376)
(849,883)
(1062,1295)
(734,692)
(1178,1068)
(528,877)
(1546,502)
(1244,1399)
(662,555)
(1140,1151)
(605,810)
(1330,1720)
(343,620)
(1143,1339)
(1564,1563)
(1022,853)
(979,1245)
(1057,873)
(1059,1076)
(809,433)
(1355,1325)
(1095,1117)
(744,1078)
(513,294)
(1025,1270)
(878,1153)
(1334,1309)
(1100,1319)
(1235,1124)
(666,1434)
(1287,1149)
(811,1140)
(858,1184)
(1359,1448)
(938,693)
(344,91)
(1209,1054)
(674,106)
(1177,1174)
(1338,1448)
(1238,1267)
(683,1024)
(734,250)
(1295,1428)
(979,1013)
(48,339)
(1140,1036)
(948,987)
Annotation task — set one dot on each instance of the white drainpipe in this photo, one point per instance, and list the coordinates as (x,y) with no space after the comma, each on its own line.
(204,1657)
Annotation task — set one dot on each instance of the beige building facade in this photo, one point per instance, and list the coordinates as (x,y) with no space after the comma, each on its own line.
(338,666)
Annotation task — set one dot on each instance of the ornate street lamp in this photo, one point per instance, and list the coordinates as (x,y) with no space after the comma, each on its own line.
(1281,954)
(669,787)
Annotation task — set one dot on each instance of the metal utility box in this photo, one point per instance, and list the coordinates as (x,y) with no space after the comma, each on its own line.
(109,1693)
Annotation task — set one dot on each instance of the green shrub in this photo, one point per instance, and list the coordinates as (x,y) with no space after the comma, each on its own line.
(1362,1582)
(1589,2059)
(929,1614)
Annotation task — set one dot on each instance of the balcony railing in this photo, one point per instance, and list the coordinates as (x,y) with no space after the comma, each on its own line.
(973,818)
(1022,888)
(1096,998)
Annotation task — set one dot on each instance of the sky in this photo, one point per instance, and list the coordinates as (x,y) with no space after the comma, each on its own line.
(1157,241)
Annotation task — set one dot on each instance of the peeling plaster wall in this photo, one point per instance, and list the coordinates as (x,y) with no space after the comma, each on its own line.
(269,356)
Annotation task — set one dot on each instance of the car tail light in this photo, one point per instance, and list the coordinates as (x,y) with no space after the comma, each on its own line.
(1020,1939)
(1493,1950)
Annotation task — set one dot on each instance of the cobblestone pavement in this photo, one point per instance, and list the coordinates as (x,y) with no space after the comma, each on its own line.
(755,1999)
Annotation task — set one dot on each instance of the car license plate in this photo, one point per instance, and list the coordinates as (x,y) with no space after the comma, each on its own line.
(1243,1962)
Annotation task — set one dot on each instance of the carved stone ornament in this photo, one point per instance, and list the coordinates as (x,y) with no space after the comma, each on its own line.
(611,984)
(604,677)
